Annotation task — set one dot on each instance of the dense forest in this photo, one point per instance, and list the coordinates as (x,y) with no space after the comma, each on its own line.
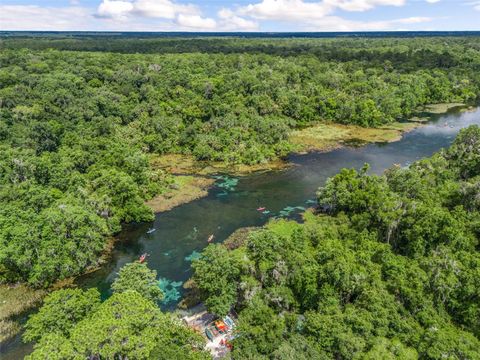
(79,124)
(75,324)
(387,268)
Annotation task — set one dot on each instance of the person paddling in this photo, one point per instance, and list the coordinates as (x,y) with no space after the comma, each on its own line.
(142,258)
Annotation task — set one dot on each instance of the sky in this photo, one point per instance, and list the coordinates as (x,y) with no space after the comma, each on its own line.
(240,15)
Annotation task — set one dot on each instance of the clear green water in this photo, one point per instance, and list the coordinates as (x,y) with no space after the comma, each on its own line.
(182,232)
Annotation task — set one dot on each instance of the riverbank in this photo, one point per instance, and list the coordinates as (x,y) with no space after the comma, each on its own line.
(192,177)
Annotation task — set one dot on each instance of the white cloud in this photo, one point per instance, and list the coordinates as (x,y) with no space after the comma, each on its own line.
(363,5)
(196,22)
(114,9)
(184,16)
(299,9)
(170,15)
(476,5)
(33,17)
(320,15)
(230,21)
(286,10)
(163,9)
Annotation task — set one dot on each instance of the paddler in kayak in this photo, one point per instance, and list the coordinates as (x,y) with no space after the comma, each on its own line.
(143,257)
(210,238)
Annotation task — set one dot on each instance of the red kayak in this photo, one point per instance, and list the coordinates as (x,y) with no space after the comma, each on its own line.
(143,257)
(261,209)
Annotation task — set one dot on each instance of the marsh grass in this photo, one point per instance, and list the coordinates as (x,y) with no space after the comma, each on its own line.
(325,137)
(440,108)
(185,189)
(187,165)
(14,302)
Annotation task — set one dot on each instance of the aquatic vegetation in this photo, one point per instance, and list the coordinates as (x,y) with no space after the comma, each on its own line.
(288,210)
(193,235)
(193,256)
(170,290)
(226,183)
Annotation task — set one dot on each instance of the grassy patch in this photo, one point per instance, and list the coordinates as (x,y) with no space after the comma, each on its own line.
(184,189)
(187,165)
(440,108)
(14,301)
(325,137)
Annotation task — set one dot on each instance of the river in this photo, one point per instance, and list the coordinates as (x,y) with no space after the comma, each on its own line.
(231,205)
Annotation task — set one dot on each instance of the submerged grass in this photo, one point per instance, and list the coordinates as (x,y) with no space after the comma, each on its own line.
(15,301)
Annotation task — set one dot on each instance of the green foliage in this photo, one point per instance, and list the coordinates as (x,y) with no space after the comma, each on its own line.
(127,325)
(260,331)
(466,152)
(81,125)
(59,241)
(217,273)
(123,326)
(138,277)
(387,271)
(53,346)
(60,311)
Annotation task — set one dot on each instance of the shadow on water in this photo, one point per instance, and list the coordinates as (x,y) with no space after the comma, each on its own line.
(180,234)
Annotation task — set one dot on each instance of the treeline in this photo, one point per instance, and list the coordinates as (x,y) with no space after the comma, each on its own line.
(388,268)
(77,128)
(411,52)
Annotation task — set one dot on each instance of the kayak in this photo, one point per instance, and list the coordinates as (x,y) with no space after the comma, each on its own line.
(210,238)
(261,208)
(142,258)
(151,231)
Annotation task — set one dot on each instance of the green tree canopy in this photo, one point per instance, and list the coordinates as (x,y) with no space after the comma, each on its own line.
(138,277)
